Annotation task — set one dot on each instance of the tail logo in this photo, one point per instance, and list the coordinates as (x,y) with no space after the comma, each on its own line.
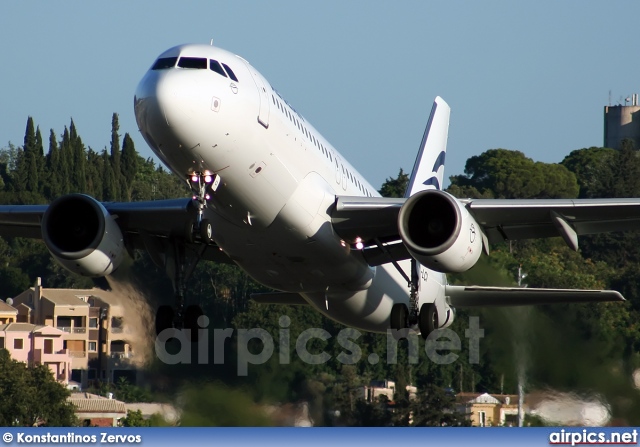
(433,180)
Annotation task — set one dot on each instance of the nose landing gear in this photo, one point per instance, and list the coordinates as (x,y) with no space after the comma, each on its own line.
(202,185)
(179,260)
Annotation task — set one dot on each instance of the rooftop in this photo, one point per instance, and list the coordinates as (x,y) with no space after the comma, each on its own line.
(92,403)
(67,297)
(5,308)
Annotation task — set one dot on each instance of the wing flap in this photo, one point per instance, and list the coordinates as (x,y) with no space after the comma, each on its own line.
(463,296)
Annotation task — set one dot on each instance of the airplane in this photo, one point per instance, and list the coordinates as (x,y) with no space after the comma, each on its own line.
(272,195)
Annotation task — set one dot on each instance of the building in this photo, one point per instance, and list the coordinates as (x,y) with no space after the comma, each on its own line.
(386,388)
(37,345)
(622,122)
(97,411)
(93,326)
(485,410)
(8,313)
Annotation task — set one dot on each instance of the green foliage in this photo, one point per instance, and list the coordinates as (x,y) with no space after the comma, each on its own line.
(395,187)
(123,390)
(435,407)
(506,174)
(593,168)
(216,405)
(134,419)
(31,396)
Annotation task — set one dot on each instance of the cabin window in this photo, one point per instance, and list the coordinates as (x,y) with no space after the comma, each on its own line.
(230,72)
(215,66)
(164,62)
(192,62)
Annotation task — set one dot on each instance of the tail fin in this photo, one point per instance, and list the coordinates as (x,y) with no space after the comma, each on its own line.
(428,171)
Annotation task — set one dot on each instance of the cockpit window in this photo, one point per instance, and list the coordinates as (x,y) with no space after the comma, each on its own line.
(230,72)
(215,66)
(192,62)
(164,62)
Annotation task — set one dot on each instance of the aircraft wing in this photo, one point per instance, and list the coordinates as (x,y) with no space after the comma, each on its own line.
(463,296)
(375,219)
(144,225)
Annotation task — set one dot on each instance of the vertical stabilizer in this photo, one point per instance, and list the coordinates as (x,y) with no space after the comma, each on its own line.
(428,171)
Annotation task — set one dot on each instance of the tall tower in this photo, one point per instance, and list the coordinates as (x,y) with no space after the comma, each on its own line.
(621,122)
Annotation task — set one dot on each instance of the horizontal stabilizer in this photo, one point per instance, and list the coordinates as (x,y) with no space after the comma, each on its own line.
(462,296)
(292,299)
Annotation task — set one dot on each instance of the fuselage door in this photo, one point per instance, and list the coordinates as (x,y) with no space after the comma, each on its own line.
(263,93)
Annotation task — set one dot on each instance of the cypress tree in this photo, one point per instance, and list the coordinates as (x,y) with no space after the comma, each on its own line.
(129,164)
(109,186)
(95,173)
(79,177)
(40,161)
(52,188)
(24,159)
(66,163)
(115,156)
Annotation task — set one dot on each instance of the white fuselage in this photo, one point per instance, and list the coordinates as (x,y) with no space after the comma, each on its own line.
(279,180)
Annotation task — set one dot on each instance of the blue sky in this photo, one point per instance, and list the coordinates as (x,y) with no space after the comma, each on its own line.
(532,76)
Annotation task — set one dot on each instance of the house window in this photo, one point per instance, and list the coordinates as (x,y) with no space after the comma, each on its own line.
(482,418)
(92,346)
(48,346)
(93,323)
(18,343)
(1,342)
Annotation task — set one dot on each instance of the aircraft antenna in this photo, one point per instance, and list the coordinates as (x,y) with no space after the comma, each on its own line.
(211,42)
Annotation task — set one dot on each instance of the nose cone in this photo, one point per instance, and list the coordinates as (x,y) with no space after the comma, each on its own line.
(172,107)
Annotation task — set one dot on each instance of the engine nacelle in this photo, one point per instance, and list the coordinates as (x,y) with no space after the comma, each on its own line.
(82,236)
(439,232)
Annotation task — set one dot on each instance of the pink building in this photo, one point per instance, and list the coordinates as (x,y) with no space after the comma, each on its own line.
(37,345)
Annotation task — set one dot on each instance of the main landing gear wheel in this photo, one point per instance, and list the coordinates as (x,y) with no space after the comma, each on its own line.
(399,316)
(427,319)
(191,316)
(206,231)
(164,318)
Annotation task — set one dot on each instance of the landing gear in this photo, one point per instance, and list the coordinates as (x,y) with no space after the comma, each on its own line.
(202,184)
(206,231)
(399,317)
(179,258)
(428,319)
(403,317)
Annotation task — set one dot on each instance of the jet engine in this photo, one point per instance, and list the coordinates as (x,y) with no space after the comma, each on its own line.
(82,236)
(439,232)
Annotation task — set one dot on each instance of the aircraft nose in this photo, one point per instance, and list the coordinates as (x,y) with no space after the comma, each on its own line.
(171,108)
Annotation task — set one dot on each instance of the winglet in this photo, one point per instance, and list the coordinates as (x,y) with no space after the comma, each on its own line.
(428,170)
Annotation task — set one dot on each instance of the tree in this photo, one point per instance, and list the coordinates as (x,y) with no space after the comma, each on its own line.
(511,175)
(395,187)
(115,158)
(129,165)
(79,178)
(66,163)
(134,419)
(435,407)
(31,396)
(109,185)
(52,187)
(593,168)
(216,405)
